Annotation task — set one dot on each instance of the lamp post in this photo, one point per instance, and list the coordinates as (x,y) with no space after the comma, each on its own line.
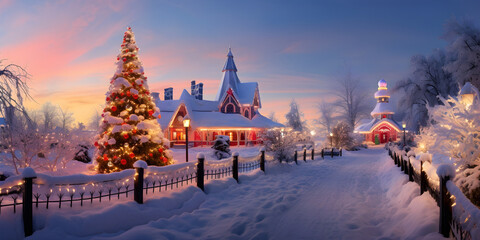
(186,124)
(404,125)
(331,140)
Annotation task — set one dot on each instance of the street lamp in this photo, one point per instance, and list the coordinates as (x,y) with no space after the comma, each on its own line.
(331,140)
(404,125)
(186,124)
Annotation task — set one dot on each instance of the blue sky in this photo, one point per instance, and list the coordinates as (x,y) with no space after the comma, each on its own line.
(293,49)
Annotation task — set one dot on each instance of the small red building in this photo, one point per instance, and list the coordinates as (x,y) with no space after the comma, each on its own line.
(382,128)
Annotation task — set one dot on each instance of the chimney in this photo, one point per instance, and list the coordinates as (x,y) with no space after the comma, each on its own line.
(193,89)
(168,94)
(197,90)
(156,96)
(199,95)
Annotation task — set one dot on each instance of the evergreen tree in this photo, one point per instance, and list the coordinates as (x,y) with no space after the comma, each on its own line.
(129,130)
(293,118)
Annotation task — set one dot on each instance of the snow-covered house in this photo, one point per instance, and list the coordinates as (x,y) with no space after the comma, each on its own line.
(382,128)
(234,112)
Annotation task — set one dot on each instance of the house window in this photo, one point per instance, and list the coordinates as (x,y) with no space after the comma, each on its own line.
(247,114)
(229,108)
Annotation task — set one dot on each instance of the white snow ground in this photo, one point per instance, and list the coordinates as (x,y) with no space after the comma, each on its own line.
(359,196)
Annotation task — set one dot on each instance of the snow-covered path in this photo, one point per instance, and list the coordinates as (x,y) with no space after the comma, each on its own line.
(359,196)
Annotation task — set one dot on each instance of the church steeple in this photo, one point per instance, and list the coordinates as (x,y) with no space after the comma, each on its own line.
(383,109)
(230,79)
(229,64)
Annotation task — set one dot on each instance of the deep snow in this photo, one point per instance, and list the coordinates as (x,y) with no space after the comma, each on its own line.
(359,196)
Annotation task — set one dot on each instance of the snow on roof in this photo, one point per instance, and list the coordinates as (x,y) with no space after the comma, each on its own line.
(382,107)
(382,93)
(206,113)
(372,124)
(218,119)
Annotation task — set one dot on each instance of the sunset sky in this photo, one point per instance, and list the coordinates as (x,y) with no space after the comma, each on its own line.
(293,49)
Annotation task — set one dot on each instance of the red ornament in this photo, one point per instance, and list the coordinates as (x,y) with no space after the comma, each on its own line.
(164,160)
(150,112)
(123,162)
(134,131)
(124,59)
(122,102)
(131,70)
(135,96)
(147,92)
(150,154)
(108,99)
(122,94)
(125,136)
(128,94)
(115,157)
(145,78)
(103,115)
(118,58)
(132,155)
(96,144)
(105,158)
(159,116)
(143,73)
(114,108)
(126,50)
(160,150)
(105,143)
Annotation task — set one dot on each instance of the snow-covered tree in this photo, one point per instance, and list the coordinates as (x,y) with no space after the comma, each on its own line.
(294,118)
(464,48)
(342,136)
(221,147)
(455,132)
(281,143)
(130,131)
(428,80)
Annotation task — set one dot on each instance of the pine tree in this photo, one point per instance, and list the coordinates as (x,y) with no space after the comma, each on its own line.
(129,130)
(294,118)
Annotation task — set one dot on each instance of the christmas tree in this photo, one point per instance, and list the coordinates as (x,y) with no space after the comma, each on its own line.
(129,130)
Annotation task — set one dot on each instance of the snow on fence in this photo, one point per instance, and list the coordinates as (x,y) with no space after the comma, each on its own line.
(44,191)
(457,214)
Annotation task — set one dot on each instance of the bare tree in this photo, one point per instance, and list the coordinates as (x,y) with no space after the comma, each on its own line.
(352,101)
(421,89)
(94,121)
(464,48)
(66,118)
(50,116)
(327,119)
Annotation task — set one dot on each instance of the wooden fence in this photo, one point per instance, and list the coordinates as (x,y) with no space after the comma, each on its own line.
(39,190)
(458,215)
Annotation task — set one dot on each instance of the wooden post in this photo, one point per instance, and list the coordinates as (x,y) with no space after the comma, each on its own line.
(395,158)
(305,154)
(295,157)
(313,154)
(235,166)
(138,183)
(262,159)
(423,179)
(28,176)
(445,207)
(332,152)
(201,171)
(401,163)
(410,171)
(341,152)
(323,154)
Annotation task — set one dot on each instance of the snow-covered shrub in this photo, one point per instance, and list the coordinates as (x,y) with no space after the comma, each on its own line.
(455,132)
(281,143)
(221,147)
(343,137)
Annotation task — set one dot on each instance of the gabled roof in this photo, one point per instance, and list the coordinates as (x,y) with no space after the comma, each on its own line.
(245,92)
(367,127)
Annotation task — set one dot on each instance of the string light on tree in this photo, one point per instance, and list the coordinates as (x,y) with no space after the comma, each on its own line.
(129,130)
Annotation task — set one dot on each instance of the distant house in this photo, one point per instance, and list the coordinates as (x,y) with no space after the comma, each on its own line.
(382,128)
(234,112)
